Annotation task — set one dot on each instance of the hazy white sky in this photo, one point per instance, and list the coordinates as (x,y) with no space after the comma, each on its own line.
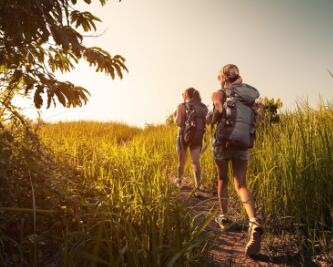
(281,47)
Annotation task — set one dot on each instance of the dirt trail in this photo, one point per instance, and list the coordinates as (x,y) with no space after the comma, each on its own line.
(228,249)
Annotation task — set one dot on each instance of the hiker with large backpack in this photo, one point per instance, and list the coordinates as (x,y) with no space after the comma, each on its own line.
(190,117)
(235,118)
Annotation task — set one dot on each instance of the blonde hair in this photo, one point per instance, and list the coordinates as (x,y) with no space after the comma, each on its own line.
(228,75)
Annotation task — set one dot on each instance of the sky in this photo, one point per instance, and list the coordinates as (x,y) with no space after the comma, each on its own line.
(282,47)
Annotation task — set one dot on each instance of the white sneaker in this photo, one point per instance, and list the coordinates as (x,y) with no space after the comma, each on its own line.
(178,182)
(200,191)
(225,223)
(254,239)
(202,188)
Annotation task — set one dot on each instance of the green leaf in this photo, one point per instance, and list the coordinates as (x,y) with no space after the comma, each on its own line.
(38,100)
(84,19)
(104,62)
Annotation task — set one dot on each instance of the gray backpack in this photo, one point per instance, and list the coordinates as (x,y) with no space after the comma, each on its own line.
(237,125)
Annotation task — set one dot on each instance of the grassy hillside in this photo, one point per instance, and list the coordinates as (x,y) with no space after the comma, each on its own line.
(103,197)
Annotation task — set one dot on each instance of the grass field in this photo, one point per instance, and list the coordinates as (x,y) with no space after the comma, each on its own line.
(106,197)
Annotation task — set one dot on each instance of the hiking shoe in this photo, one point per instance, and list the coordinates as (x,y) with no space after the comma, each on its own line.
(202,188)
(225,223)
(256,232)
(200,191)
(178,182)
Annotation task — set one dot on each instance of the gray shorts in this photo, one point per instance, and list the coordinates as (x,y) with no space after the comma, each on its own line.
(222,153)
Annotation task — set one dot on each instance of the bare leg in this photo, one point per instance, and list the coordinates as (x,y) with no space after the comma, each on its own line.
(239,170)
(195,157)
(222,185)
(181,162)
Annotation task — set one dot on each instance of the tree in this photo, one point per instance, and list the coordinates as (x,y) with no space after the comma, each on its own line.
(268,109)
(170,120)
(38,37)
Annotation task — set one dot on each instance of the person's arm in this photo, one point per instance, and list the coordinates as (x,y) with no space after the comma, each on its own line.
(179,115)
(217,98)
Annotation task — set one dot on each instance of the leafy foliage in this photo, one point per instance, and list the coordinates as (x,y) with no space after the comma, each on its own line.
(169,120)
(28,175)
(39,37)
(268,109)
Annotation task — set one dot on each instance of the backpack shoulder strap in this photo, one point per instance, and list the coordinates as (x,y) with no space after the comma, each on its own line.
(232,89)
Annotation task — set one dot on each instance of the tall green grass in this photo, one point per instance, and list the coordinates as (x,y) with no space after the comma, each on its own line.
(131,214)
(103,194)
(291,172)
